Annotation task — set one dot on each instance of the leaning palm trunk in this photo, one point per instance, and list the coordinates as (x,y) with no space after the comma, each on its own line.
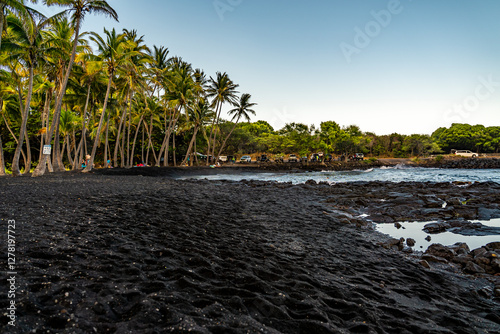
(131,162)
(209,141)
(216,129)
(106,144)
(191,144)
(225,140)
(128,128)
(15,138)
(88,168)
(24,113)
(173,149)
(117,142)
(68,151)
(27,163)
(56,152)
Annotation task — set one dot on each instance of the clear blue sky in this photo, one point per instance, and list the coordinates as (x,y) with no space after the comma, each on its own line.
(407,66)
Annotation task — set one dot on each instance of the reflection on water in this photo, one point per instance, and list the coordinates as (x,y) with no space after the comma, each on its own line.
(414,230)
(392,174)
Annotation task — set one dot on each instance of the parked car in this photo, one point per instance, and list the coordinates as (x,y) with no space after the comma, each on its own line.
(246,158)
(223,158)
(293,158)
(466,153)
(303,159)
(357,156)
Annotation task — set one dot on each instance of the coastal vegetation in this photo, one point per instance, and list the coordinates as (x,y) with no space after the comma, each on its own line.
(109,96)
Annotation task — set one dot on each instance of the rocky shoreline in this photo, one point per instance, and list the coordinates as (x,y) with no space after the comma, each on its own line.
(108,252)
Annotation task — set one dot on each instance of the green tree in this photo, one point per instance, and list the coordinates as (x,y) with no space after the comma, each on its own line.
(242,110)
(221,90)
(16,7)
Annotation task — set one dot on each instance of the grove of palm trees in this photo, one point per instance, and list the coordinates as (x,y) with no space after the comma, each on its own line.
(105,94)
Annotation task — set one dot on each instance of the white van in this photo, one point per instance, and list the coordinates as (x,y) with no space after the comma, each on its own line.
(466,153)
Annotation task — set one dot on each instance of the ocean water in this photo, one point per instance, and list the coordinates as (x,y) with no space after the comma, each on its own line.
(398,173)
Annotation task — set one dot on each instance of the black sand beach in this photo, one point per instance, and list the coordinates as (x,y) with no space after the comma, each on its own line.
(118,253)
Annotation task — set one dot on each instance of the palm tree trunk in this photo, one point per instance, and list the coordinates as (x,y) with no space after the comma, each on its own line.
(122,146)
(117,143)
(166,138)
(68,150)
(106,143)
(142,147)
(216,129)
(27,163)
(83,140)
(57,157)
(13,136)
(211,132)
(128,129)
(165,146)
(195,153)
(45,122)
(131,162)
(24,113)
(193,139)
(173,149)
(225,140)
(97,137)
(150,144)
(2,160)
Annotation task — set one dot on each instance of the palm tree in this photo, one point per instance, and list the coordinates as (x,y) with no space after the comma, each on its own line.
(25,43)
(242,110)
(16,7)
(158,66)
(78,8)
(112,53)
(222,90)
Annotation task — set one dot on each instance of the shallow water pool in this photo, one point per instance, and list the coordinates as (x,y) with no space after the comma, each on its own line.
(415,230)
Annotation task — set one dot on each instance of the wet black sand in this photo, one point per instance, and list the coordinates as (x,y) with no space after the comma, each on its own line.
(140,254)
